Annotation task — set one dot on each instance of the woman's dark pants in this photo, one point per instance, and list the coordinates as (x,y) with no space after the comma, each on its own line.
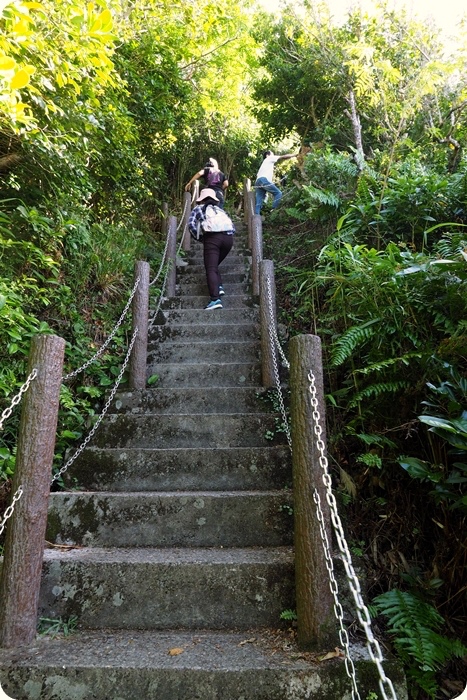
(216,247)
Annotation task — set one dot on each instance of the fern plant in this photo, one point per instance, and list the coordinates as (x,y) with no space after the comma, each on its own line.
(413,625)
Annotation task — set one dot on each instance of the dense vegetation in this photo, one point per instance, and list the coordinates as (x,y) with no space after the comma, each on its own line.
(108,108)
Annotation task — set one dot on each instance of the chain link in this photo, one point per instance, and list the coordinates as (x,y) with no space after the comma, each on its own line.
(279,391)
(104,346)
(185,206)
(161,266)
(16,399)
(104,411)
(161,297)
(9,511)
(363,615)
(273,325)
(273,340)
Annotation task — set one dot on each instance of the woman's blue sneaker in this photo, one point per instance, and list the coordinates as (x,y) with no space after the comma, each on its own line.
(214,305)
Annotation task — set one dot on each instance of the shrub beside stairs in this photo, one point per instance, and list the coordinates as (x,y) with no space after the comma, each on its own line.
(174,552)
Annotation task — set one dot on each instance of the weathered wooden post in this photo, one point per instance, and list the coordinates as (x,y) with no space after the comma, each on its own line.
(171,256)
(256,251)
(251,213)
(25,538)
(186,244)
(165,218)
(246,189)
(140,314)
(315,612)
(267,314)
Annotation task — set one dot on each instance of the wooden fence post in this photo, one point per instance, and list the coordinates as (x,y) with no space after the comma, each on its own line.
(256,251)
(140,314)
(246,189)
(186,244)
(165,218)
(315,611)
(251,213)
(25,538)
(267,314)
(171,256)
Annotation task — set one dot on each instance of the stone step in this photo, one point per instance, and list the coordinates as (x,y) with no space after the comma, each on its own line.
(237,301)
(227,265)
(193,400)
(192,274)
(151,588)
(181,665)
(146,469)
(205,374)
(197,430)
(171,519)
(207,318)
(200,289)
(204,352)
(213,331)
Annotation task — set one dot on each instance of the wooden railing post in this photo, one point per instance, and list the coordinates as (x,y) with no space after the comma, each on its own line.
(186,245)
(316,626)
(256,251)
(267,313)
(251,213)
(165,218)
(171,256)
(246,189)
(140,314)
(25,537)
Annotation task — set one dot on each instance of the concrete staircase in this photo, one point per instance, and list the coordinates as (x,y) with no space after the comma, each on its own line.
(175,554)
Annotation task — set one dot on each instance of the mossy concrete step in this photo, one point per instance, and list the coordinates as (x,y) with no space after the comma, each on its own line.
(147,469)
(196,430)
(203,331)
(227,265)
(208,318)
(200,289)
(193,400)
(205,352)
(151,588)
(196,274)
(175,665)
(171,519)
(237,301)
(217,374)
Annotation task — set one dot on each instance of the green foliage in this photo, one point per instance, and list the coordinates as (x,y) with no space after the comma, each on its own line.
(413,625)
(289,615)
(53,627)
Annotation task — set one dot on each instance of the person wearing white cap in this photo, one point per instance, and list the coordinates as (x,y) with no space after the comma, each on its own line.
(216,243)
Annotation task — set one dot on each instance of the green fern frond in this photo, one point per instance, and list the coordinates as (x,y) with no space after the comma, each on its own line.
(413,624)
(348,341)
(378,366)
(378,390)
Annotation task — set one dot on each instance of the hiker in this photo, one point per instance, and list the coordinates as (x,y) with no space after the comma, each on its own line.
(213,178)
(264,183)
(216,243)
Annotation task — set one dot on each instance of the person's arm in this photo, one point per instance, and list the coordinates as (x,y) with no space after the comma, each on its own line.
(195,177)
(225,183)
(195,216)
(288,155)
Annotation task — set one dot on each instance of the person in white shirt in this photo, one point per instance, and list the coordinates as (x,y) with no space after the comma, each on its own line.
(264,177)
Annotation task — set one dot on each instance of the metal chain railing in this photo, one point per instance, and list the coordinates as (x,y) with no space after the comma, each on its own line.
(279,392)
(85,442)
(161,296)
(161,266)
(9,511)
(273,325)
(363,615)
(16,399)
(104,346)
(273,339)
